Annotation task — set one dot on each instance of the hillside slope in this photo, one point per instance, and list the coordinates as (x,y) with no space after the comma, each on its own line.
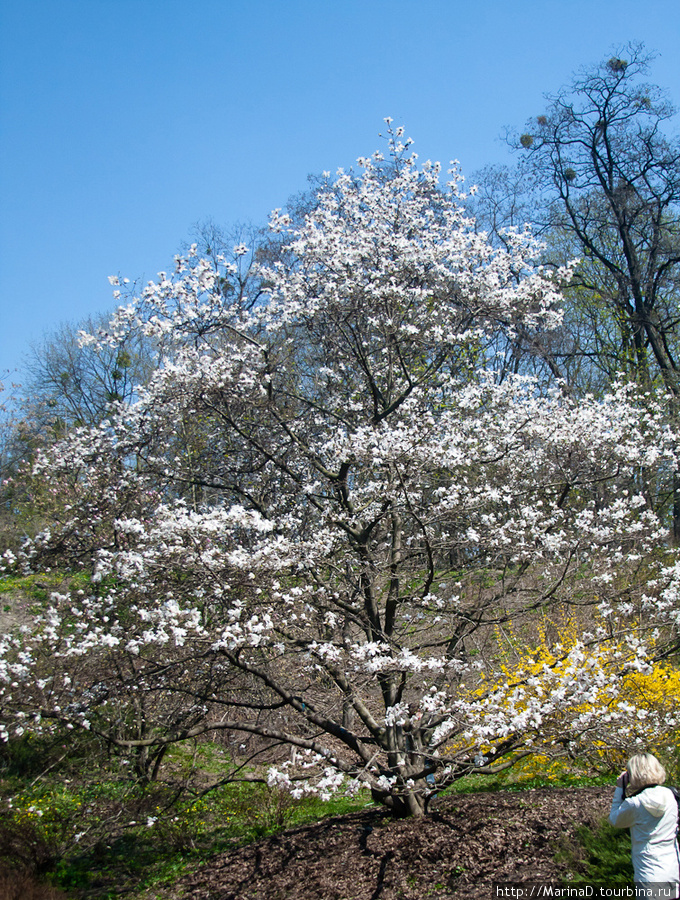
(465,845)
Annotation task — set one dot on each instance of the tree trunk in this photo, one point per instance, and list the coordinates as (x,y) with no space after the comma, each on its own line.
(411,802)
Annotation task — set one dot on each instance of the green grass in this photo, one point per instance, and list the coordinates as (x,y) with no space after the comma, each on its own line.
(90,831)
(39,585)
(474,784)
(159,849)
(525,776)
(600,855)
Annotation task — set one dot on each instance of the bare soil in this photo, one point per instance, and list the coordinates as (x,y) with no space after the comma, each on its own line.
(466,844)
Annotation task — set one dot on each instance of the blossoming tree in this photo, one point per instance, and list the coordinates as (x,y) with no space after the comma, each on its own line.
(308,525)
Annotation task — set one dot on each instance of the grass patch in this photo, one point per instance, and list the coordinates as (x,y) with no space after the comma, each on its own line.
(535,772)
(98,838)
(38,586)
(600,855)
(475,784)
(158,849)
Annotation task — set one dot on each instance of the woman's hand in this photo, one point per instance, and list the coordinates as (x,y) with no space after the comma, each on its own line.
(622,780)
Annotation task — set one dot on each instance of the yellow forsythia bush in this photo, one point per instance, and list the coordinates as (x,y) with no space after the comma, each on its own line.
(573,701)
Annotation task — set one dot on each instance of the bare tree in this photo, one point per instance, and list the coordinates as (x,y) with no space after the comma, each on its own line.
(70,383)
(609,184)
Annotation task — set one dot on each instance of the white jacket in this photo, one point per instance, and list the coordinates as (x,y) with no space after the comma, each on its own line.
(652,816)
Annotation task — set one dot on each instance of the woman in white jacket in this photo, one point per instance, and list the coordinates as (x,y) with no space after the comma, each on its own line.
(651,813)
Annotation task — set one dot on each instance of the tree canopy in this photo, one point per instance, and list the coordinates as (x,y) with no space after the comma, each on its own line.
(314,520)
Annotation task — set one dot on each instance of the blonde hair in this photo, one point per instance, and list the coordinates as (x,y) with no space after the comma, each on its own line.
(644,769)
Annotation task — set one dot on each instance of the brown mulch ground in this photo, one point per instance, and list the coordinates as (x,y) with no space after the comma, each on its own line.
(467,843)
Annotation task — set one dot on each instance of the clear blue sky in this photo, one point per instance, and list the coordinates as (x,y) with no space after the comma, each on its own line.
(123,123)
